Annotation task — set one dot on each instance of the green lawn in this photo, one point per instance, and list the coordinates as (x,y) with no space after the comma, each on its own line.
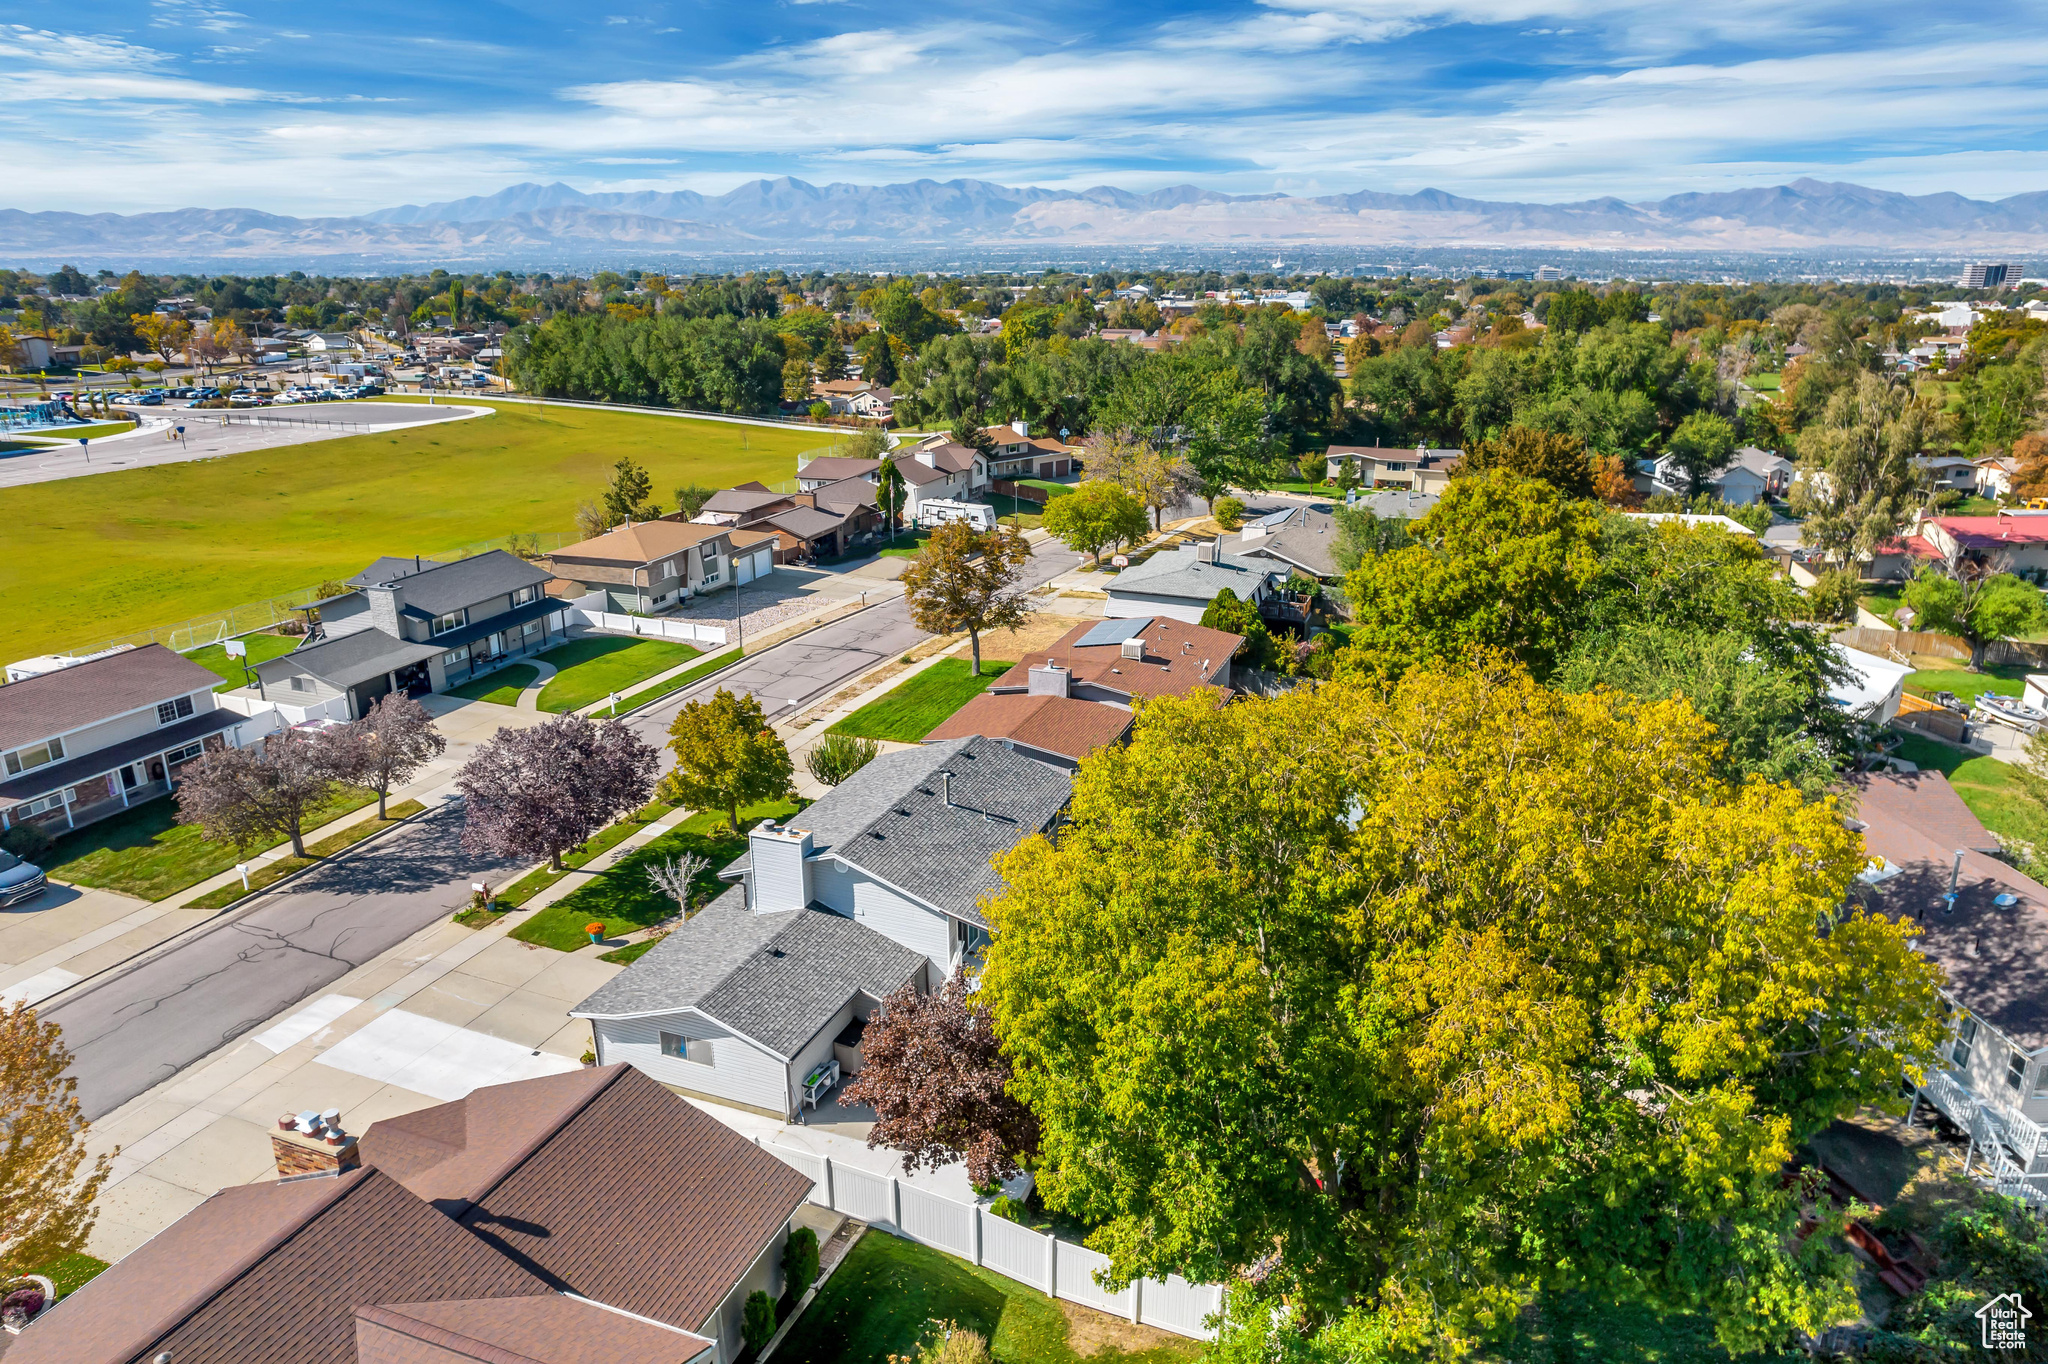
(92,432)
(145,852)
(717,663)
(214,657)
(1015,510)
(272,872)
(1048,486)
(1763,383)
(599,843)
(1986,786)
(593,668)
(174,541)
(906,544)
(1946,674)
(501,687)
(623,897)
(886,1294)
(72,1272)
(917,707)
(1882,604)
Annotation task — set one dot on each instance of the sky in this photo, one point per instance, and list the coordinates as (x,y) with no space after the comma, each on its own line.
(313,109)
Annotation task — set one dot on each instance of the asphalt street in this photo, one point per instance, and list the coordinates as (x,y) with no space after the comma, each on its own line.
(140,1026)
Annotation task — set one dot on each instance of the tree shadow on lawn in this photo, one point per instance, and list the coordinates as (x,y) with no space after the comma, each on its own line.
(882,1303)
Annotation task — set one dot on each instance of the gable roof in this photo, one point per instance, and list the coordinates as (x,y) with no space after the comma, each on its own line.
(1179,657)
(57,702)
(1185,573)
(915,472)
(388,568)
(951,457)
(1054,724)
(846,494)
(465,582)
(833,468)
(271,1271)
(640,543)
(805,523)
(739,501)
(774,978)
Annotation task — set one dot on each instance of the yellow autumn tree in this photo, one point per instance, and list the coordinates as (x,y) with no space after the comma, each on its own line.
(46,1186)
(1400,1007)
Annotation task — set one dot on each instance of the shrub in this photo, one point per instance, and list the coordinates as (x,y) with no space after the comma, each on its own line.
(27,841)
(836,757)
(757,1320)
(1009,1209)
(1228,511)
(800,1259)
(951,1344)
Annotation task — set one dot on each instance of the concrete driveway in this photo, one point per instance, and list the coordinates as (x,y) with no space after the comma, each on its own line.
(142,1025)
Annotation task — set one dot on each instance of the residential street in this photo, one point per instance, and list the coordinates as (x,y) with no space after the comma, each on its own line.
(140,1026)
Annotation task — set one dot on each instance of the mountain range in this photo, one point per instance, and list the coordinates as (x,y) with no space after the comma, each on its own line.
(530,222)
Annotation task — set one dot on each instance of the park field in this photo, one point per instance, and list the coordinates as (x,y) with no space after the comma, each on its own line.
(83,559)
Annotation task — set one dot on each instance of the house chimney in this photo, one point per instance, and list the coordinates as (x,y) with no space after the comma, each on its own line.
(387,607)
(1051,680)
(780,878)
(1022,428)
(312,1143)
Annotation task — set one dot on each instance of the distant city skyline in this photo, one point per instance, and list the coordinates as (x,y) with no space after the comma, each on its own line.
(145,105)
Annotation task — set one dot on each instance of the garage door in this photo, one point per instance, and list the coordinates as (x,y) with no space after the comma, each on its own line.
(744,566)
(764,562)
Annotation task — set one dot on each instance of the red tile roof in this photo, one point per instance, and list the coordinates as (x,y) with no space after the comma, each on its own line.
(1991,532)
(1053,724)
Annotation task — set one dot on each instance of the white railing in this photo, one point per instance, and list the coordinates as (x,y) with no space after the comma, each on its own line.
(1947,1094)
(2017,1131)
(1060,1269)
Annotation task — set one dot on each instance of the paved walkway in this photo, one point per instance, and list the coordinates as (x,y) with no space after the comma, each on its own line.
(529,698)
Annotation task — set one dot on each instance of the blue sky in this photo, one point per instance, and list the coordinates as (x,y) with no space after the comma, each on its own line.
(136,105)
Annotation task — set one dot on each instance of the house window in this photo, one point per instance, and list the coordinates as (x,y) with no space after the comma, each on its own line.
(452,621)
(27,759)
(37,807)
(185,754)
(711,568)
(696,1049)
(526,594)
(455,656)
(174,710)
(2016,1070)
(1966,1035)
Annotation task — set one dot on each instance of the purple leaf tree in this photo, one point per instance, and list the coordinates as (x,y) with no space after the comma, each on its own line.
(539,792)
(395,740)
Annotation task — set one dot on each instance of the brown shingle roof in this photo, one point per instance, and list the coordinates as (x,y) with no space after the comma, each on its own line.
(606,1189)
(54,703)
(833,468)
(271,1271)
(452,1152)
(640,543)
(1174,654)
(545,1329)
(1055,724)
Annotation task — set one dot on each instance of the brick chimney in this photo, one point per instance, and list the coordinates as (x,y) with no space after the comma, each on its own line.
(312,1144)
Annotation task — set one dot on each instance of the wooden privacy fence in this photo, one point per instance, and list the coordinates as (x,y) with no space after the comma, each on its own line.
(1998,653)
(1059,1269)
(1023,492)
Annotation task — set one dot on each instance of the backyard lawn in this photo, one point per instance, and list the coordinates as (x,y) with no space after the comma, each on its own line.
(917,707)
(1764,383)
(214,657)
(888,1292)
(501,687)
(625,899)
(174,541)
(145,852)
(906,545)
(1986,786)
(1950,674)
(593,668)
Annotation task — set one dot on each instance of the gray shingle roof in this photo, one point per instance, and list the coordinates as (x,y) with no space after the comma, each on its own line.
(891,819)
(389,569)
(98,689)
(776,978)
(347,659)
(469,581)
(1183,573)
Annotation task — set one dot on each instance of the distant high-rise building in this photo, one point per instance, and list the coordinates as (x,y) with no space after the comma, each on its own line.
(1988,275)
(1549,272)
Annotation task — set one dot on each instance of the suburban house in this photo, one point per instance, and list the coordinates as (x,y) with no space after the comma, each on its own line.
(1775,470)
(578,1217)
(825,470)
(851,397)
(876,886)
(1738,484)
(651,566)
(1020,455)
(328,342)
(1947,471)
(826,518)
(1994,475)
(1992,941)
(1180,583)
(940,471)
(1873,688)
(1423,469)
(1694,520)
(83,742)
(1304,538)
(2016,539)
(1083,696)
(413,626)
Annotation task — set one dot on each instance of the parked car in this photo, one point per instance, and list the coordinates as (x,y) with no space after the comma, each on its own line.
(20,881)
(151,400)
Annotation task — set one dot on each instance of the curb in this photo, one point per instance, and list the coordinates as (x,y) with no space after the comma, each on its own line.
(79,989)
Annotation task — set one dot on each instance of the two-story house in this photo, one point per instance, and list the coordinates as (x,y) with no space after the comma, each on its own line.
(1991,941)
(940,471)
(828,515)
(80,743)
(1018,454)
(876,886)
(413,626)
(651,566)
(1423,469)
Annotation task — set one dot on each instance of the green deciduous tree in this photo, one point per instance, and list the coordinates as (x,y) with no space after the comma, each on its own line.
(627,492)
(1559,460)
(726,757)
(891,494)
(1858,483)
(1701,446)
(965,579)
(47,1186)
(1978,601)
(1499,989)
(1095,515)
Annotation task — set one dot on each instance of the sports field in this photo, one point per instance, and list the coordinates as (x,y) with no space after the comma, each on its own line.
(85,558)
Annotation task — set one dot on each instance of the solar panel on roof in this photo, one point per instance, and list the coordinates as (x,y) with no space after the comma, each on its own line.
(1114,631)
(1274,518)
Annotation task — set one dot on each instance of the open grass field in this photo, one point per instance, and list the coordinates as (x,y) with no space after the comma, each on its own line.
(915,708)
(214,657)
(888,1293)
(173,541)
(594,668)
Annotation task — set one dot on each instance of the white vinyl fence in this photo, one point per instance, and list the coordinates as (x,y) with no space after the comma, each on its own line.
(653,627)
(1057,1268)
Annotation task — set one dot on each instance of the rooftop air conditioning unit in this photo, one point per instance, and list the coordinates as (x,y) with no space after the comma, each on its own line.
(1134,647)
